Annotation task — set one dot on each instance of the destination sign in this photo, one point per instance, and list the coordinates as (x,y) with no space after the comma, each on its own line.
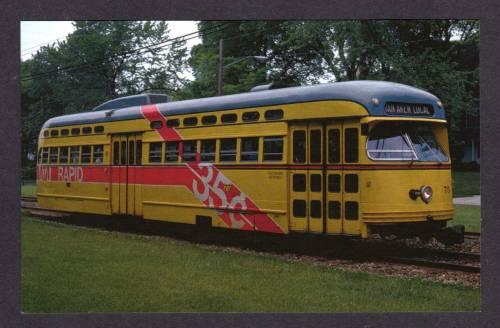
(392,108)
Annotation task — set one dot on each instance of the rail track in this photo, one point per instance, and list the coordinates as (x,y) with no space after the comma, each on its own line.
(323,248)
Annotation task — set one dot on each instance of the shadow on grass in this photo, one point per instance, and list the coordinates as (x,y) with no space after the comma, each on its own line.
(319,246)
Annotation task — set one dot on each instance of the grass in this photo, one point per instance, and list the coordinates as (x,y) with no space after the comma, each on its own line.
(28,189)
(469,216)
(465,183)
(70,269)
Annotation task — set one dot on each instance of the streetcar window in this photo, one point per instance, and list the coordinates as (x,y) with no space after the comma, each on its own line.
(208,120)
(190,121)
(53,155)
(45,155)
(351,145)
(250,116)
(75,131)
(39,158)
(299,146)
(273,148)
(249,149)
(207,150)
(155,150)
(86,154)
(351,183)
(98,154)
(131,152)
(351,210)
(299,182)
(404,141)
(74,154)
(315,209)
(172,123)
(87,130)
(116,153)
(64,132)
(189,151)
(333,182)
(333,146)
(123,153)
(99,129)
(63,155)
(334,210)
(274,114)
(229,118)
(299,208)
(315,182)
(138,152)
(54,133)
(46,133)
(315,146)
(172,151)
(156,125)
(227,151)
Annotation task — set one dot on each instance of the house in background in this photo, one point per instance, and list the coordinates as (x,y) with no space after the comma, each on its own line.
(472,144)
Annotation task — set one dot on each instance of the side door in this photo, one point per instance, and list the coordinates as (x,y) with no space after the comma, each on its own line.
(134,162)
(333,189)
(125,175)
(306,178)
(343,185)
(351,177)
(119,174)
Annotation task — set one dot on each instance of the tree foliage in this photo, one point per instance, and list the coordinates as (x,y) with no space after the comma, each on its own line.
(441,56)
(99,61)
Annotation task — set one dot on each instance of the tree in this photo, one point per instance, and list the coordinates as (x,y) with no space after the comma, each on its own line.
(441,56)
(99,61)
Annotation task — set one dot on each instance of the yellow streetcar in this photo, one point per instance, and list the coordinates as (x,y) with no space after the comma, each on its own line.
(347,158)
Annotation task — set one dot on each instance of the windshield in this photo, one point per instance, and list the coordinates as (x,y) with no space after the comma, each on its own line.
(404,142)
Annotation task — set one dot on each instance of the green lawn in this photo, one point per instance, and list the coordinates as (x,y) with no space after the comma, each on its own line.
(465,183)
(71,269)
(28,189)
(469,216)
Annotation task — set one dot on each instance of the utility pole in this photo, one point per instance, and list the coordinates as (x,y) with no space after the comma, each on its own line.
(220,70)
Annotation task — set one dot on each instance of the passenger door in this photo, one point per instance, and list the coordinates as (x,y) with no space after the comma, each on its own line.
(324,186)
(307,178)
(125,174)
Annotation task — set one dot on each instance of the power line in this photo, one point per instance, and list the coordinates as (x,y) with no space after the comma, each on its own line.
(25,51)
(113,56)
(206,31)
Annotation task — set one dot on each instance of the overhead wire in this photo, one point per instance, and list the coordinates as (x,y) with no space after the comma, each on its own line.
(153,46)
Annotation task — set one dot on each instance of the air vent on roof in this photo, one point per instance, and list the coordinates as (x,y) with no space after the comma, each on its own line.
(273,85)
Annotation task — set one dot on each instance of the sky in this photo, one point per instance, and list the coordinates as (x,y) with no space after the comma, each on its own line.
(35,34)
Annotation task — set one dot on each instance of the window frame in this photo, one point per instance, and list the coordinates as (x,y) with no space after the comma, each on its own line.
(60,154)
(94,153)
(161,151)
(184,143)
(257,151)
(177,145)
(213,154)
(71,152)
(89,154)
(270,138)
(219,153)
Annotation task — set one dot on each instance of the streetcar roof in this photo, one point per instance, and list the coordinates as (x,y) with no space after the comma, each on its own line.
(361,92)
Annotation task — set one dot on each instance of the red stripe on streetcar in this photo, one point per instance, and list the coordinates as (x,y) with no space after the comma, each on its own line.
(210,185)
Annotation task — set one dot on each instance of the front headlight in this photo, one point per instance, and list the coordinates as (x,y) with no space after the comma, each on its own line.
(426,193)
